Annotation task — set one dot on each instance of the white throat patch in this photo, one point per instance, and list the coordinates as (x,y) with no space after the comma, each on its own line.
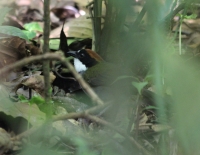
(79,66)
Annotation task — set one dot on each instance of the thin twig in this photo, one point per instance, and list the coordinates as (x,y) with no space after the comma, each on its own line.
(141,15)
(134,116)
(32,130)
(53,56)
(89,4)
(97,23)
(109,125)
(46,63)
(93,118)
(171,15)
(103,122)
(137,120)
(70,115)
(82,82)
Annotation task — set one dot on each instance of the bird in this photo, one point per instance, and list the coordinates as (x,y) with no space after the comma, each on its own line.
(98,73)
(102,76)
(107,81)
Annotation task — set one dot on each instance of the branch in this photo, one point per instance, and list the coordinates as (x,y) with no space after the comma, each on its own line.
(54,56)
(46,67)
(82,82)
(140,16)
(57,118)
(93,118)
(171,15)
(109,125)
(26,61)
(97,23)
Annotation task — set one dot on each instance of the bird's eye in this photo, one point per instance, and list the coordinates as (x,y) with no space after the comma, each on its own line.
(82,55)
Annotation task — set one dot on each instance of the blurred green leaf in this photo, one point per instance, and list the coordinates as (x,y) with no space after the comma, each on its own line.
(34,149)
(54,43)
(83,147)
(30,113)
(4,11)
(151,107)
(149,77)
(192,16)
(184,83)
(37,100)
(29,34)
(139,85)
(13,31)
(33,26)
(23,99)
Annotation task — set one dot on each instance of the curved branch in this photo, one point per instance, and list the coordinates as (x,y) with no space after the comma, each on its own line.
(171,15)
(88,116)
(54,56)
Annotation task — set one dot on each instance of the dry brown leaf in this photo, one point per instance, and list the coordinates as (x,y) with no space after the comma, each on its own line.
(5,143)
(11,50)
(193,24)
(82,2)
(194,40)
(36,82)
(190,33)
(160,127)
(15,48)
(60,3)
(79,27)
(185,29)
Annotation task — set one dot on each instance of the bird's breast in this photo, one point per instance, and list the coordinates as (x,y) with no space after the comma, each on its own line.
(79,66)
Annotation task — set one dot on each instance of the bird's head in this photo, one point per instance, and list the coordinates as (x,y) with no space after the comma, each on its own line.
(84,59)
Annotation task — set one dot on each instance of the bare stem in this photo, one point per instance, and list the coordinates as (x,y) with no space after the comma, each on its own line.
(49,56)
(46,68)
(87,115)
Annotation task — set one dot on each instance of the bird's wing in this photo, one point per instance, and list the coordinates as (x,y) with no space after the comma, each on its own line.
(102,74)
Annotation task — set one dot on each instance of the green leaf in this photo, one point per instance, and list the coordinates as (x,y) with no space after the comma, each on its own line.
(37,100)
(13,31)
(54,43)
(30,113)
(139,85)
(23,99)
(149,78)
(4,11)
(29,34)
(192,16)
(150,107)
(83,147)
(33,26)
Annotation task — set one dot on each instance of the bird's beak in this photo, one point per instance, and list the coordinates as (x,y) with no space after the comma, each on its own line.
(72,53)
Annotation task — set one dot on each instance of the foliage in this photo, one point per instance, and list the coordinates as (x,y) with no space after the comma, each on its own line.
(139,86)
(27,34)
(54,43)
(152,58)
(36,99)
(4,11)
(31,29)
(31,113)
(13,31)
